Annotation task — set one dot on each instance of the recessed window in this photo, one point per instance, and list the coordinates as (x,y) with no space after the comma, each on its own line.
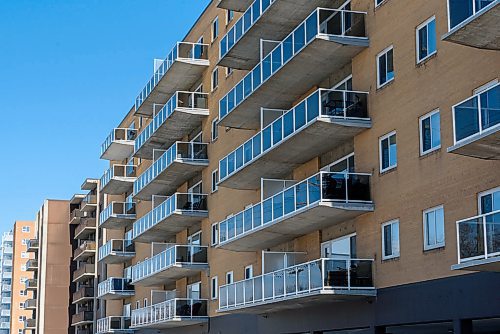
(248,272)
(21,318)
(433,228)
(23,292)
(215,234)
(26,229)
(215,28)
(390,240)
(214,286)
(430,132)
(489,201)
(229,16)
(388,152)
(385,67)
(215,129)
(229,70)
(215,180)
(24,255)
(215,78)
(21,306)
(379,2)
(229,277)
(23,267)
(24,242)
(426,39)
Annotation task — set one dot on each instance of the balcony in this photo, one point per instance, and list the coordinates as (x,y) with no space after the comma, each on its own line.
(295,65)
(5,313)
(119,145)
(114,325)
(177,213)
(83,294)
(31,284)
(118,215)
(236,5)
(30,324)
(476,125)
(84,251)
(6,300)
(297,286)
(76,215)
(115,288)
(89,184)
(7,274)
(119,179)
(322,200)
(181,69)
(32,245)
(116,251)
(89,203)
(479,243)
(32,265)
(172,313)
(84,317)
(85,272)
(85,228)
(183,113)
(6,287)
(173,263)
(181,162)
(8,250)
(263,19)
(324,120)
(30,304)
(474,23)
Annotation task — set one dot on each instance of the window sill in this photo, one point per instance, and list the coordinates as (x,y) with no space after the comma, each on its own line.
(385,85)
(377,7)
(424,61)
(435,249)
(427,154)
(387,171)
(391,259)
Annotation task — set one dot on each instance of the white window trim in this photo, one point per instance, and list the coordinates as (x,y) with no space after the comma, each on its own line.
(213,36)
(346,157)
(422,153)
(423,24)
(392,256)
(190,189)
(343,81)
(214,241)
(251,271)
(331,241)
(484,193)
(229,71)
(212,87)
(214,185)
(437,245)
(382,170)
(383,52)
(214,293)
(213,136)
(227,16)
(484,87)
(380,4)
(194,236)
(231,274)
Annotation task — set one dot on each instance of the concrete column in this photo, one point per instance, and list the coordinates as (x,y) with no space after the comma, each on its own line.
(461,326)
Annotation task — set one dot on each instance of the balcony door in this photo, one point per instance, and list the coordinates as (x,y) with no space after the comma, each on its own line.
(343,247)
(343,165)
(194,291)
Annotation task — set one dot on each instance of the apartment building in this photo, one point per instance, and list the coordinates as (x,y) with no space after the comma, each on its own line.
(309,167)
(23,287)
(6,255)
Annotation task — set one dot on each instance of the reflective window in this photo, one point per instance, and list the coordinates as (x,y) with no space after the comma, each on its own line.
(390,240)
(388,152)
(430,132)
(426,39)
(434,228)
(385,67)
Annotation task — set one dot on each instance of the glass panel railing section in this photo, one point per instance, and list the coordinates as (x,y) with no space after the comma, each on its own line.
(479,237)
(118,135)
(180,100)
(459,11)
(117,209)
(113,324)
(178,254)
(178,309)
(118,171)
(177,203)
(116,246)
(114,285)
(323,103)
(329,22)
(303,279)
(181,51)
(89,199)
(477,114)
(178,152)
(321,187)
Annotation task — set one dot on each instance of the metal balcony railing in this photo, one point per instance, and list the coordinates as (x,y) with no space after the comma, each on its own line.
(114,324)
(177,309)
(115,285)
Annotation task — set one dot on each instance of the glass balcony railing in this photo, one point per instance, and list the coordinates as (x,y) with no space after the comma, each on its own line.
(123,172)
(119,136)
(315,277)
(479,237)
(176,309)
(178,152)
(477,114)
(322,22)
(176,255)
(121,210)
(181,51)
(177,203)
(179,101)
(321,187)
(323,103)
(114,324)
(460,11)
(116,247)
(115,285)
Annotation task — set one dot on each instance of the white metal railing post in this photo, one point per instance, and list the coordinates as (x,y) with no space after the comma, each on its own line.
(323,263)
(348,264)
(485,231)
(458,243)
(346,180)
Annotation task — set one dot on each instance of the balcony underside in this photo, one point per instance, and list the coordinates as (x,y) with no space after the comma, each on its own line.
(117,222)
(82,323)
(304,300)
(84,277)
(84,255)
(170,179)
(479,31)
(86,207)
(171,274)
(178,125)
(322,56)
(315,139)
(236,5)
(117,295)
(119,150)
(169,227)
(181,76)
(490,264)
(84,233)
(302,222)
(82,300)
(485,145)
(274,24)
(173,323)
(117,257)
(118,185)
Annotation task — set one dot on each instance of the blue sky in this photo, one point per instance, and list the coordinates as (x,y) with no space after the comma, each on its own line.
(69,71)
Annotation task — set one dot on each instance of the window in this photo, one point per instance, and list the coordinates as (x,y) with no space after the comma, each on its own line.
(343,247)
(426,39)
(214,288)
(379,2)
(215,28)
(195,239)
(390,240)
(248,272)
(23,267)
(21,306)
(215,129)
(137,304)
(229,70)
(145,302)
(215,79)
(489,201)
(388,152)
(229,16)
(21,318)
(434,228)
(26,229)
(229,277)
(23,279)
(215,179)
(385,67)
(20,331)
(23,292)
(24,255)
(430,132)
(24,242)
(194,291)
(215,234)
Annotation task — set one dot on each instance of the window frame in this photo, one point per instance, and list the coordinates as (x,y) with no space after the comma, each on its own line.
(393,255)
(390,167)
(421,133)
(214,29)
(215,74)
(428,247)
(229,274)
(214,186)
(250,268)
(229,71)
(379,55)
(26,229)
(229,17)
(214,287)
(378,4)
(417,39)
(214,238)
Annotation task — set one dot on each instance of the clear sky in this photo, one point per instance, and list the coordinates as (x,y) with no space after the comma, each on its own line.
(69,71)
